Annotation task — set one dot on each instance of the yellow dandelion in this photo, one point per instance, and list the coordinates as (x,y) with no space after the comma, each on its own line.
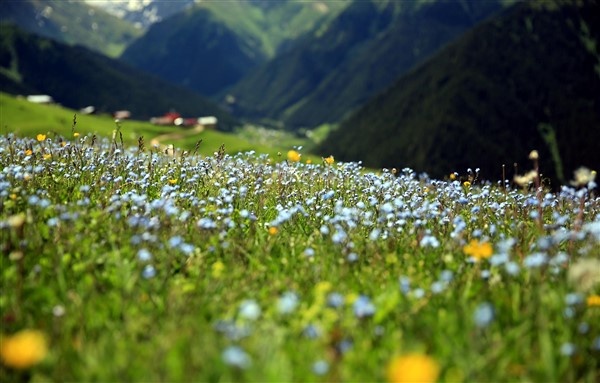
(478,250)
(76,134)
(28,152)
(23,349)
(452,176)
(412,368)
(293,156)
(173,181)
(467,184)
(47,156)
(329,160)
(41,137)
(309,161)
(593,301)
(273,230)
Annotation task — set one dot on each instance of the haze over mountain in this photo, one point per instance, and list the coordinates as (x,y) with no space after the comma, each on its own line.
(212,45)
(526,79)
(71,22)
(77,77)
(359,53)
(141,13)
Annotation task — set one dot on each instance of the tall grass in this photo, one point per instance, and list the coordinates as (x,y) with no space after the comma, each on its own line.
(139,266)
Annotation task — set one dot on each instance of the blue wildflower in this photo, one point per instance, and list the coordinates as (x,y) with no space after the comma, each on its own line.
(363,307)
(483,315)
(320,367)
(149,272)
(144,255)
(249,309)
(567,349)
(335,300)
(236,357)
(287,302)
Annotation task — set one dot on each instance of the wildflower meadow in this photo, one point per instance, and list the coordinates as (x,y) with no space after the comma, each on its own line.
(131,264)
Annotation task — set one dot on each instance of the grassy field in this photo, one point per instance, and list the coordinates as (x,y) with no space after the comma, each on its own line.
(27,120)
(131,265)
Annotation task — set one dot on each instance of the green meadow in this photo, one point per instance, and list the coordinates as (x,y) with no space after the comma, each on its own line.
(26,119)
(121,262)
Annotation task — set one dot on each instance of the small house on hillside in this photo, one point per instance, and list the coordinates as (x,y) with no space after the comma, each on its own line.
(122,114)
(40,99)
(208,122)
(167,119)
(174,118)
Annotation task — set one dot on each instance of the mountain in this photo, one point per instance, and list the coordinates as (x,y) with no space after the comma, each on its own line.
(71,22)
(212,45)
(526,79)
(77,77)
(142,13)
(352,58)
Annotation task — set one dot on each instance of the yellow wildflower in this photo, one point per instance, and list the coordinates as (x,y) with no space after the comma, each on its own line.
(452,176)
(17,220)
(173,181)
(350,298)
(593,301)
(273,230)
(47,156)
(23,349)
(526,178)
(478,250)
(41,137)
(583,176)
(309,161)
(217,269)
(534,155)
(323,287)
(412,368)
(467,184)
(76,134)
(293,156)
(329,160)
(28,152)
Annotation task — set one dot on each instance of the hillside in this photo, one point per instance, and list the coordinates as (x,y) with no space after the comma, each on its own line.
(77,77)
(339,67)
(212,45)
(527,79)
(26,119)
(71,22)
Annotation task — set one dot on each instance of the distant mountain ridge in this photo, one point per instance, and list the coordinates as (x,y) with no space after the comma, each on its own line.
(358,54)
(526,79)
(71,22)
(212,45)
(77,77)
